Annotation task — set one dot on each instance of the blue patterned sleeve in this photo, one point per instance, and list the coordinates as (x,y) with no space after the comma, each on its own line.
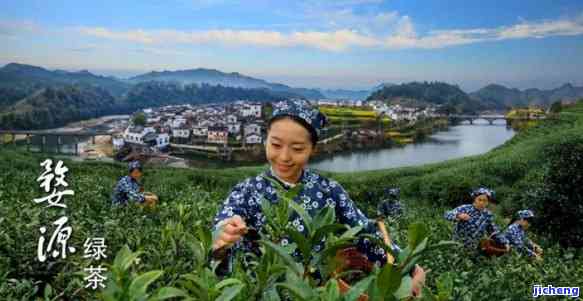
(518,241)
(347,213)
(493,230)
(452,214)
(132,190)
(235,204)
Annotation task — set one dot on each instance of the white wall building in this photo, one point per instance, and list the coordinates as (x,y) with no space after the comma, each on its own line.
(253,139)
(252,128)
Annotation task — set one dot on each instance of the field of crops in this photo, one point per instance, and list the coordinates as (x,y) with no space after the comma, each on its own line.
(338,115)
(167,247)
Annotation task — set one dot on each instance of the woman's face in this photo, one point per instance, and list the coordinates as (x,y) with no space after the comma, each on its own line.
(481,202)
(524,223)
(136,174)
(288,149)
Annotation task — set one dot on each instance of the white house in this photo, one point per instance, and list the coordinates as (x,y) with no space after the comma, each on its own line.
(251,110)
(162,141)
(178,122)
(252,128)
(181,133)
(231,118)
(234,128)
(327,102)
(153,119)
(200,131)
(218,135)
(117,142)
(146,137)
(136,134)
(253,139)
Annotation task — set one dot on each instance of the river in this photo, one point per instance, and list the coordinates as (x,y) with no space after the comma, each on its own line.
(457,142)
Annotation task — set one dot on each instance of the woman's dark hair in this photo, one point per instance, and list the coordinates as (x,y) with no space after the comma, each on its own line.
(303,123)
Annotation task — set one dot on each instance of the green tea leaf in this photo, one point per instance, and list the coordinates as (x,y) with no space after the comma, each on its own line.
(281,252)
(230,292)
(140,284)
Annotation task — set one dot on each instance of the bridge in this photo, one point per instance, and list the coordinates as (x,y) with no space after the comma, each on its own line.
(57,136)
(489,118)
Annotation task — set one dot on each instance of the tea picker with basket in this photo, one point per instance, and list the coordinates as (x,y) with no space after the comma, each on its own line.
(517,238)
(128,188)
(391,206)
(292,135)
(474,222)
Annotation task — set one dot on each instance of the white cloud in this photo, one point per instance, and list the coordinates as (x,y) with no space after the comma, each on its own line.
(402,34)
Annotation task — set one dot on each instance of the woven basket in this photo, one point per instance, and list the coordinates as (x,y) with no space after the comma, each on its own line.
(491,248)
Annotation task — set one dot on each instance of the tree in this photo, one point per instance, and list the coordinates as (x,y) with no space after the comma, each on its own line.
(139,119)
(556,107)
(558,200)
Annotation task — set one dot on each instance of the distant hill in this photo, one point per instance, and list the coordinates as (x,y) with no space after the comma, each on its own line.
(346,94)
(55,107)
(32,97)
(450,97)
(28,78)
(502,97)
(216,77)
(352,94)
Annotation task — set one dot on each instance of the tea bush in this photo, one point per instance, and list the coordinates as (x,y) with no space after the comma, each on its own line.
(170,244)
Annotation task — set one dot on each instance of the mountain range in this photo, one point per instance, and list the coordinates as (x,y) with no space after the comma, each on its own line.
(34,97)
(215,78)
(501,97)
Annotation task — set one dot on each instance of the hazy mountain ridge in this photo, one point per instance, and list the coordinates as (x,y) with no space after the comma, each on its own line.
(216,77)
(503,97)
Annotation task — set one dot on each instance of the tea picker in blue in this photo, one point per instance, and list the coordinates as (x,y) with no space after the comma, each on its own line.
(292,135)
(128,188)
(515,235)
(474,221)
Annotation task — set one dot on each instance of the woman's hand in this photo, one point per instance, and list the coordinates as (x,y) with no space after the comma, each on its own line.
(463,217)
(230,231)
(418,281)
(537,249)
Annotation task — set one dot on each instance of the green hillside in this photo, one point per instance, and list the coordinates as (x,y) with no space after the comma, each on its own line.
(172,237)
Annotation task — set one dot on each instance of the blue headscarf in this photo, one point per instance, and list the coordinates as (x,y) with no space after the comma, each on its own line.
(491,194)
(303,110)
(134,165)
(525,214)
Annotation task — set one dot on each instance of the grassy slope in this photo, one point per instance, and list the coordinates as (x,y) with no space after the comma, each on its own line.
(190,197)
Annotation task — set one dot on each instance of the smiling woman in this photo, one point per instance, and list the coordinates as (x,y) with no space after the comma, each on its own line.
(293,132)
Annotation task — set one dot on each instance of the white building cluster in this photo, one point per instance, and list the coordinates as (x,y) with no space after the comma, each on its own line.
(402,113)
(188,124)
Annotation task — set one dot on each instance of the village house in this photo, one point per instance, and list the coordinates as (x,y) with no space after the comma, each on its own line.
(135,134)
(146,136)
(181,135)
(231,118)
(234,128)
(118,142)
(253,139)
(252,128)
(251,110)
(218,134)
(328,102)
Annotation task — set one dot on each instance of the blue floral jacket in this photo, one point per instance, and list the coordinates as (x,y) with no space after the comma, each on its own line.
(317,192)
(127,189)
(470,232)
(516,237)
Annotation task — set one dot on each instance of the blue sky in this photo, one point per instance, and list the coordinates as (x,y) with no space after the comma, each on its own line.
(311,43)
